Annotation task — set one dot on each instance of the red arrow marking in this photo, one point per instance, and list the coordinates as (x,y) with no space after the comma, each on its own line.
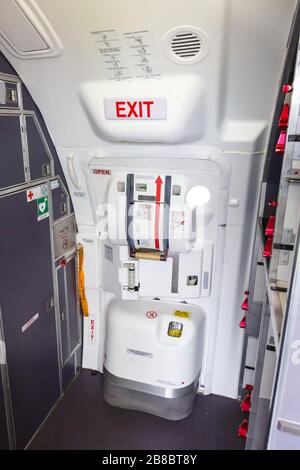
(158,182)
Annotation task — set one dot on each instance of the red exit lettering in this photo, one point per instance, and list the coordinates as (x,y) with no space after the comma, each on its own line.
(134,109)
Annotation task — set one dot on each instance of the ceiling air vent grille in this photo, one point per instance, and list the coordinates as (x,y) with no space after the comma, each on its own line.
(186,44)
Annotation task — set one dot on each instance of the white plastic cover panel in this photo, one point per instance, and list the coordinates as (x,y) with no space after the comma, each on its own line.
(25,32)
(18,30)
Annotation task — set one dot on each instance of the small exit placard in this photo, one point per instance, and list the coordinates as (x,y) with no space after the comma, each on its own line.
(155,108)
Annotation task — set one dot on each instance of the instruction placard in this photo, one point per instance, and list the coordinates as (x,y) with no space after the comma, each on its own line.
(127,55)
(37,192)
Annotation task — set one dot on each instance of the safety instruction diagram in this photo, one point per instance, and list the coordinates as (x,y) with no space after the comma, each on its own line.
(126,56)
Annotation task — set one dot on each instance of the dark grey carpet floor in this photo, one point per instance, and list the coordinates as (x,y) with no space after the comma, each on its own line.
(82,420)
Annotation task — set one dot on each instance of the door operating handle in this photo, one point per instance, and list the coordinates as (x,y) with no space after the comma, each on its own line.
(291,427)
(72,171)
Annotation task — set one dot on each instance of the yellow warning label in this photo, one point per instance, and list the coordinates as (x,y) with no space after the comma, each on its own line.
(182,314)
(174,333)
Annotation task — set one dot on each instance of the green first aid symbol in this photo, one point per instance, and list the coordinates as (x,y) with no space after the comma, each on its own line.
(43,209)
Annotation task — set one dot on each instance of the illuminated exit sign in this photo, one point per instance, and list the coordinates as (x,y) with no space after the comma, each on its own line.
(154,108)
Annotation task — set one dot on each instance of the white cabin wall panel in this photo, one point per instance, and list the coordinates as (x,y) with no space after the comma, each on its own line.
(229,335)
(248,66)
(239,240)
(244,187)
(238,99)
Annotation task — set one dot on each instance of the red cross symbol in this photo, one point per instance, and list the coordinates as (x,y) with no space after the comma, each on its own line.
(30,195)
(151,314)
